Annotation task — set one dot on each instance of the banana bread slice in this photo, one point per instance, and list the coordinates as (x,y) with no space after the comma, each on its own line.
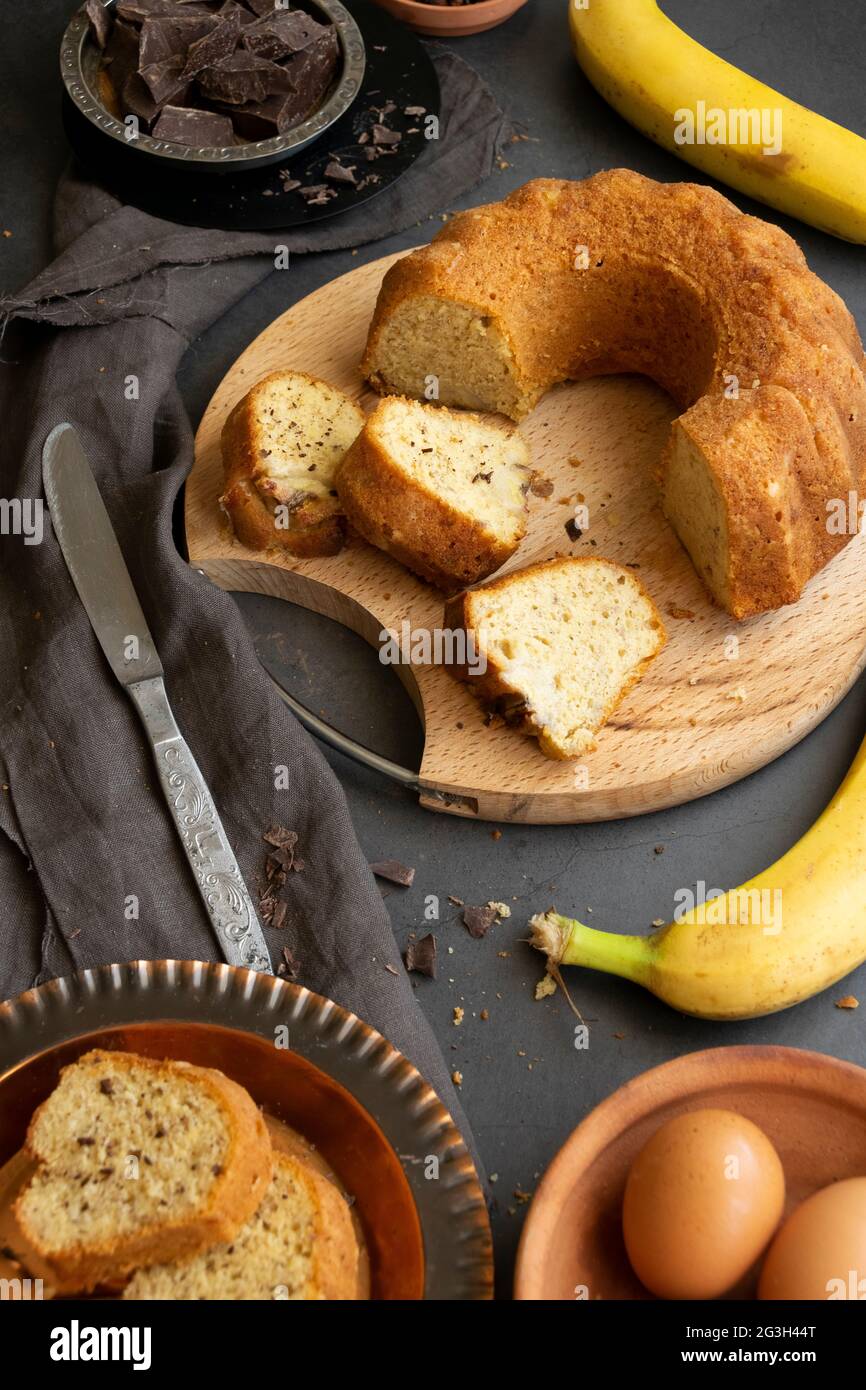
(443,491)
(560,644)
(281,445)
(139,1160)
(299,1245)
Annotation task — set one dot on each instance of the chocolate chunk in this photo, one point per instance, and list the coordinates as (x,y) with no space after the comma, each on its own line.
(100,21)
(121,54)
(166,81)
(137,11)
(479,920)
(383,135)
(186,126)
(420,956)
(137,100)
(394,872)
(166,36)
(278,917)
(280,837)
(106,1086)
(209,49)
(241,78)
(312,69)
(340,173)
(278,34)
(289,969)
(263,7)
(574,531)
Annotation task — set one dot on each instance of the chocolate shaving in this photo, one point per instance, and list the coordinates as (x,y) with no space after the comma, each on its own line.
(340,173)
(280,837)
(420,956)
(573,530)
(289,969)
(479,920)
(383,135)
(394,872)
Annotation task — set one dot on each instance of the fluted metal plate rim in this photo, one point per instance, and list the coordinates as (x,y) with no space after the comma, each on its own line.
(79,64)
(452,1211)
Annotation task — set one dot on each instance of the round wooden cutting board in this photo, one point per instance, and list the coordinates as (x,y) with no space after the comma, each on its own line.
(723,699)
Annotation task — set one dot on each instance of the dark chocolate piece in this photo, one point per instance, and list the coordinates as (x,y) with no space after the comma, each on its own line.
(264,7)
(121,54)
(241,78)
(137,100)
(394,872)
(574,531)
(186,126)
(478,920)
(169,37)
(167,81)
(280,837)
(340,173)
(137,11)
(383,135)
(219,43)
(289,968)
(100,21)
(281,33)
(420,956)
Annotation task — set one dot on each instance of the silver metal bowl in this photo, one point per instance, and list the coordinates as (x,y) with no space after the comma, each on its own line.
(79,67)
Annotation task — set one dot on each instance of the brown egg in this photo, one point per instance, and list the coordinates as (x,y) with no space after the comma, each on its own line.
(820,1252)
(702,1200)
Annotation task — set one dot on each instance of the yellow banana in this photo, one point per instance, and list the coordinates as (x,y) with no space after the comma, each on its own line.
(792,931)
(669,86)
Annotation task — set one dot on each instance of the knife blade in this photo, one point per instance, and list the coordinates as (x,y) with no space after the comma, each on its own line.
(98,570)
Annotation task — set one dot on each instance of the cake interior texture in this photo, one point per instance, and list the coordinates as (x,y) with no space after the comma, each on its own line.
(118,1159)
(303,429)
(474,465)
(274,1256)
(570,638)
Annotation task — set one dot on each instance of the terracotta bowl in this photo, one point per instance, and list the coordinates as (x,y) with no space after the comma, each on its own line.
(811,1106)
(452,21)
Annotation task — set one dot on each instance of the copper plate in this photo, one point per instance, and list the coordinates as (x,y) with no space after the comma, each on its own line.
(370,1114)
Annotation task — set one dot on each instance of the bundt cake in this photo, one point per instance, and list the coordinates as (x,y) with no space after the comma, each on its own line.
(618,273)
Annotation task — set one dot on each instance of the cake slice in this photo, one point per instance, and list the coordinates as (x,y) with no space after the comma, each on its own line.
(300,1245)
(443,491)
(556,646)
(139,1160)
(281,446)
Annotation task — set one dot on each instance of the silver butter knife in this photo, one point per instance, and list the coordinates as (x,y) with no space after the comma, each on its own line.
(95,562)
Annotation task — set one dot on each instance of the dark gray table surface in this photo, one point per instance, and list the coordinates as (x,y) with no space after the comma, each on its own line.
(524,1086)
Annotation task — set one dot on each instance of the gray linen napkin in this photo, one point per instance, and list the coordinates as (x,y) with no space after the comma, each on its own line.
(83,829)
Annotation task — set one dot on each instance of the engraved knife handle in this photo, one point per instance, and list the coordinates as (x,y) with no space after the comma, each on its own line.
(218,877)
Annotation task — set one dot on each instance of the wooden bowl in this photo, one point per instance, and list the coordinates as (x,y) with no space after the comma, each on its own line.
(452,21)
(812,1107)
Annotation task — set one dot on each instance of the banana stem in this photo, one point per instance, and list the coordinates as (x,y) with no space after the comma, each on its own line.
(565,941)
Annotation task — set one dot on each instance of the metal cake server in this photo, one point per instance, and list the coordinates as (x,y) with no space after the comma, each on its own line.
(94,560)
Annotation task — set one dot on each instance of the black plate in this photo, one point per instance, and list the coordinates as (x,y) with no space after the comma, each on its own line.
(398,69)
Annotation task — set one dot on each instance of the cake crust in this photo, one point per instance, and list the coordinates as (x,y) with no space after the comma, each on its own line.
(251,492)
(408,518)
(617,273)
